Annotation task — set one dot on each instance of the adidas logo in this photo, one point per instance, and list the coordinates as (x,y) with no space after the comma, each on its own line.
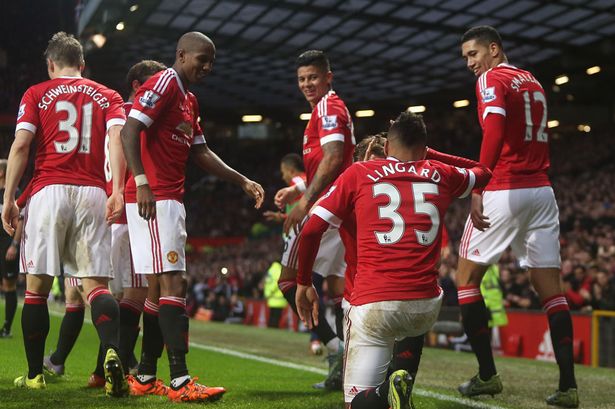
(353,390)
(405,355)
(102,318)
(30,264)
(476,252)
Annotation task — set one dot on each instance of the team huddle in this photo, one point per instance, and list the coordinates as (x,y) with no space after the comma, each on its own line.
(105,204)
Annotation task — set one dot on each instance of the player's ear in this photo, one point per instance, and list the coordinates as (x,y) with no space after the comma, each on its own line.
(386,148)
(135,85)
(494,49)
(329,77)
(180,55)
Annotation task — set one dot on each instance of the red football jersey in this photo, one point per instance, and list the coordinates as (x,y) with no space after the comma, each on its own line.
(70,117)
(330,121)
(401,207)
(348,234)
(523,160)
(171,115)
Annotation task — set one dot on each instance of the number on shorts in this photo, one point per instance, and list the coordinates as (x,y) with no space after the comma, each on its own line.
(541,135)
(68,126)
(421,206)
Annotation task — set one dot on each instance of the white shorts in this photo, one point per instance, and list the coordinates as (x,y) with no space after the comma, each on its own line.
(121,261)
(290,254)
(66,223)
(372,331)
(330,258)
(527,220)
(158,245)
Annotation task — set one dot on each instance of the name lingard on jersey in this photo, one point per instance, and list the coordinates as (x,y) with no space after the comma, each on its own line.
(49,96)
(393,168)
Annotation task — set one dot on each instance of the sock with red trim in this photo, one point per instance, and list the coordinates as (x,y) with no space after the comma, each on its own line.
(323,330)
(174,325)
(35,328)
(339,317)
(152,343)
(560,324)
(476,325)
(69,332)
(130,315)
(106,317)
(407,355)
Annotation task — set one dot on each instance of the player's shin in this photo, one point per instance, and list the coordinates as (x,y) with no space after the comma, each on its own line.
(174,325)
(130,315)
(560,324)
(105,316)
(35,327)
(407,355)
(339,317)
(153,343)
(10,299)
(69,332)
(476,326)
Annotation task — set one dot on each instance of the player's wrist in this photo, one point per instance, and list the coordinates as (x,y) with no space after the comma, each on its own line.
(141,180)
(15,244)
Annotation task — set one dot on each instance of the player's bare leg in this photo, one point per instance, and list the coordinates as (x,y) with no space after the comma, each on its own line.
(35,328)
(106,319)
(476,326)
(9,288)
(131,307)
(547,283)
(72,322)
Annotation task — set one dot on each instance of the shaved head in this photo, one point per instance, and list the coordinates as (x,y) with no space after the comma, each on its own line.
(195,56)
(194,41)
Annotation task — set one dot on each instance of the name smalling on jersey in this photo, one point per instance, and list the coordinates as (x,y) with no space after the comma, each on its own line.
(392,168)
(92,92)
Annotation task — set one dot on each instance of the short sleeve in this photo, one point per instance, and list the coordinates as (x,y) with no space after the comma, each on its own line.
(333,122)
(199,138)
(337,204)
(27,117)
(491,95)
(460,181)
(152,98)
(115,114)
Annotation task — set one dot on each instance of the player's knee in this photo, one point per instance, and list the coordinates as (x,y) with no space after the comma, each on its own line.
(288,274)
(469,272)
(172,284)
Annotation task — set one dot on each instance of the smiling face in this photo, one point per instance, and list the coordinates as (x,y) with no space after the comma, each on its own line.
(313,82)
(480,56)
(197,63)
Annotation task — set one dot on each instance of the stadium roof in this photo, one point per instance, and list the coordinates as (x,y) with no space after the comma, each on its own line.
(380,50)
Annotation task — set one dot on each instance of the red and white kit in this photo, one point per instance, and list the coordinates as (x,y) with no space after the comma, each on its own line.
(65,215)
(330,122)
(399,209)
(171,115)
(121,259)
(519,200)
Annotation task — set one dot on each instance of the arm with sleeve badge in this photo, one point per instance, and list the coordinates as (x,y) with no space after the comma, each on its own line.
(494,125)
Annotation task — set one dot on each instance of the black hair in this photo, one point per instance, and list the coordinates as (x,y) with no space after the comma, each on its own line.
(141,71)
(316,58)
(484,35)
(409,130)
(294,161)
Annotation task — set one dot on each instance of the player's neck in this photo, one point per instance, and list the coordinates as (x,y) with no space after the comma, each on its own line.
(407,155)
(66,72)
(182,77)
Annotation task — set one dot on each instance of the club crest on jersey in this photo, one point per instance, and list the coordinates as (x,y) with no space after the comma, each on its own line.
(149,99)
(172,256)
(488,94)
(329,122)
(22,111)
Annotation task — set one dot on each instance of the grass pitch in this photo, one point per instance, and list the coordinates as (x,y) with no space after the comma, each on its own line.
(271,369)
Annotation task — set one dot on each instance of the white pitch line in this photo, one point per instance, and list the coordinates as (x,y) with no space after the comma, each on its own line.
(319,371)
(307,368)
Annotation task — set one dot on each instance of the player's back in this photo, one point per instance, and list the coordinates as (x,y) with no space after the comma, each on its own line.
(400,209)
(524,159)
(69,117)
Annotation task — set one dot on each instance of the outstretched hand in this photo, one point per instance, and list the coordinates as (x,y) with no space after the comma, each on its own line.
(255,191)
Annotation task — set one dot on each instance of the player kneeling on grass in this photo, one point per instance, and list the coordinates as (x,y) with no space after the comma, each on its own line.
(399,203)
